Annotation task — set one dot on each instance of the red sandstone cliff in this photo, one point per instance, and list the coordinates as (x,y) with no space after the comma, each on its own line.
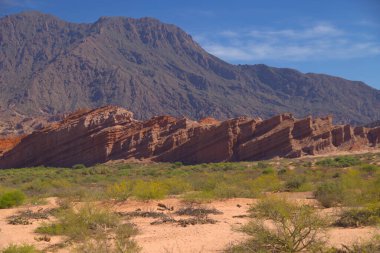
(110,133)
(8,143)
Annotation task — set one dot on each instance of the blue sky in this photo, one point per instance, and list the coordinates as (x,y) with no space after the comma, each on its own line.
(336,37)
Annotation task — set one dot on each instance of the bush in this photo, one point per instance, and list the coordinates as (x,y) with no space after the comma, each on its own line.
(82,224)
(265,183)
(224,190)
(78,166)
(339,162)
(11,198)
(370,168)
(294,183)
(176,186)
(357,217)
(268,171)
(329,193)
(119,191)
(177,164)
(372,246)
(262,165)
(20,249)
(198,197)
(123,242)
(295,228)
(149,190)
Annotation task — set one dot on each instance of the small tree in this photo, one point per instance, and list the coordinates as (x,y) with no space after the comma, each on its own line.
(281,226)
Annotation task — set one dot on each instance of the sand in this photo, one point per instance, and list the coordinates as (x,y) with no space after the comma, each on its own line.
(166,238)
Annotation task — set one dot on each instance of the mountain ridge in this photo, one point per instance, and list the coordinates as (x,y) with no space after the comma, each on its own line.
(111,133)
(50,66)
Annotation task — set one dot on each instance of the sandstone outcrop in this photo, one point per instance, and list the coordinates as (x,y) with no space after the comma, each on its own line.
(110,133)
(8,143)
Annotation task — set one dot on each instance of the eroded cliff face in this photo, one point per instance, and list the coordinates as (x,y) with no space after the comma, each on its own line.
(111,133)
(8,143)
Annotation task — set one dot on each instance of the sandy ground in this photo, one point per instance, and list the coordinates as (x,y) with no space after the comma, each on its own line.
(24,234)
(167,238)
(193,238)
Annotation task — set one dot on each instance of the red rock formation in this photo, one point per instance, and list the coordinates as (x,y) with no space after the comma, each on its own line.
(209,121)
(8,143)
(110,133)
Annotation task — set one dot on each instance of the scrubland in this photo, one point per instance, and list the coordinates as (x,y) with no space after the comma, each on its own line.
(279,205)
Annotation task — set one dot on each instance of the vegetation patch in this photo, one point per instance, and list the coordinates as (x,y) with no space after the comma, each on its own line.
(93,229)
(339,162)
(329,193)
(294,228)
(358,217)
(11,198)
(371,246)
(26,217)
(25,248)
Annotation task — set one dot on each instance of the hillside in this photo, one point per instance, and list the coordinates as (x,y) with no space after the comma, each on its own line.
(49,66)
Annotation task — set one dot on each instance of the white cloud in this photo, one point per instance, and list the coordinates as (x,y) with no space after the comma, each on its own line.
(229,33)
(320,41)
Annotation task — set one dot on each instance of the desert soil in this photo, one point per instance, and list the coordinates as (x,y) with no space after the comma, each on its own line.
(173,237)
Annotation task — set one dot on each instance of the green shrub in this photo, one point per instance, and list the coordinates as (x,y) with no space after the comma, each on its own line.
(203,181)
(11,198)
(357,217)
(20,249)
(262,165)
(149,190)
(123,242)
(339,162)
(119,191)
(353,188)
(329,193)
(294,183)
(78,166)
(176,185)
(177,164)
(371,246)
(369,168)
(265,183)
(81,224)
(268,171)
(224,190)
(295,228)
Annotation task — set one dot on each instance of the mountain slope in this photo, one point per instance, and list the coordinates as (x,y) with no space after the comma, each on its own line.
(49,66)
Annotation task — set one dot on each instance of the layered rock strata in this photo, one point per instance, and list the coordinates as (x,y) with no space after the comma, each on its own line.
(110,133)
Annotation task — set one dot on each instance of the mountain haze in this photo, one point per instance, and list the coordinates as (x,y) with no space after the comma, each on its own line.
(49,66)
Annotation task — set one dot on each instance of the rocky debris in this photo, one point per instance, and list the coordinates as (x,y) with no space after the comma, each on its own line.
(26,217)
(163,207)
(144,214)
(110,133)
(197,211)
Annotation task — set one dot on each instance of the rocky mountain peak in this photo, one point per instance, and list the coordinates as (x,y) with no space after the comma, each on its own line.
(49,66)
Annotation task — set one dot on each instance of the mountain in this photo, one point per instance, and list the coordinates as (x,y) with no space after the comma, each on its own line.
(373,124)
(111,133)
(49,66)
